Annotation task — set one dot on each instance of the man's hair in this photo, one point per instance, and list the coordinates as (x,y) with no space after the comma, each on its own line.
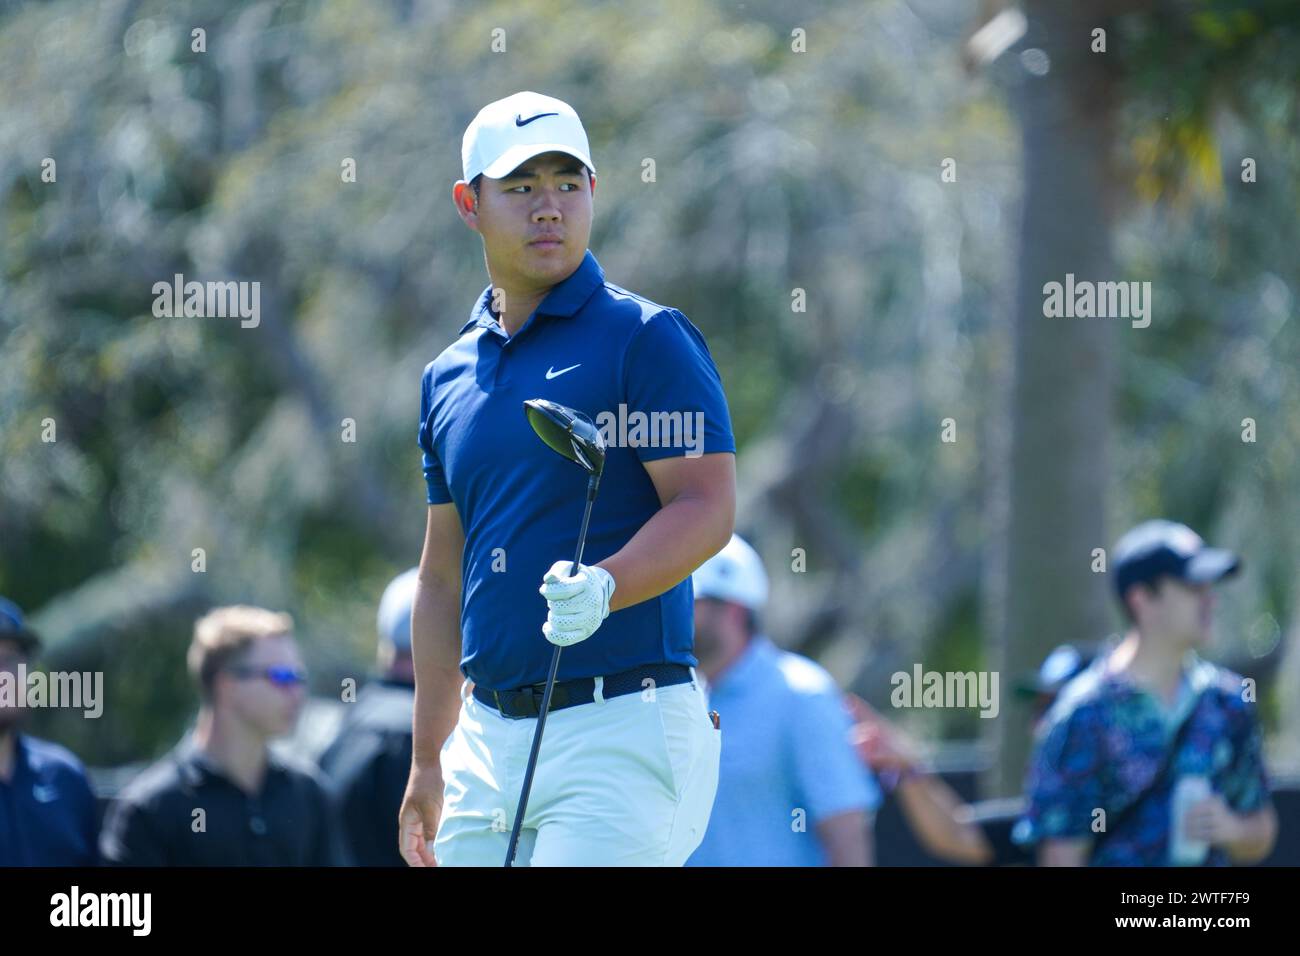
(1153,586)
(223,635)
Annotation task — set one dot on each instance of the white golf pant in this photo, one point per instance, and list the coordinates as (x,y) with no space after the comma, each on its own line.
(623,781)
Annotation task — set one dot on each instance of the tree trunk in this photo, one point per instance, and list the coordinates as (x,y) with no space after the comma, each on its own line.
(1062,368)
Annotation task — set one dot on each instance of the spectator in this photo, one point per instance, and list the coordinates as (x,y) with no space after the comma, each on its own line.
(370,760)
(791,791)
(47,809)
(1112,751)
(221,798)
(946,825)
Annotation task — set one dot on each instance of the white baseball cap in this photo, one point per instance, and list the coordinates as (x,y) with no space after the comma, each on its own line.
(513,130)
(733,574)
(395,610)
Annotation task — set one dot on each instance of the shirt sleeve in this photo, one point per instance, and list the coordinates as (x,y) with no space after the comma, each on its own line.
(356,772)
(1245,785)
(828,776)
(130,837)
(89,816)
(434,479)
(330,844)
(670,378)
(1065,783)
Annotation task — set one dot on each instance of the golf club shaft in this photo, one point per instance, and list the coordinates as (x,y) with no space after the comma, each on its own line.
(592,484)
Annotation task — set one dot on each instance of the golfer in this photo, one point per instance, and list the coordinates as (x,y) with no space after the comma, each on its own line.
(628,765)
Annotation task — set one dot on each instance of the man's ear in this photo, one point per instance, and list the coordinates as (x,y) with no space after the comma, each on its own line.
(466,203)
(1149,590)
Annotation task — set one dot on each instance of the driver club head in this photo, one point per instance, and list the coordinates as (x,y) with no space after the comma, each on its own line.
(569,432)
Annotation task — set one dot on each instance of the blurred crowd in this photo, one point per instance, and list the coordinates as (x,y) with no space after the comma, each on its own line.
(1145,753)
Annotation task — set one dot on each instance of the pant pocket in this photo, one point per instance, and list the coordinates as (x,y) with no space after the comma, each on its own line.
(683,721)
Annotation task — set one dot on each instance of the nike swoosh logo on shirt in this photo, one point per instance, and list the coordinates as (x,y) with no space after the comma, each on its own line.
(520,121)
(552,373)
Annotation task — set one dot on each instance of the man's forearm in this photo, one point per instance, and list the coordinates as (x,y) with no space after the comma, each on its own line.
(435,653)
(1072,851)
(1258,831)
(680,537)
(935,812)
(846,839)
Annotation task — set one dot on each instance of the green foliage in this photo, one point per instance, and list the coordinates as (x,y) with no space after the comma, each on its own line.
(775,171)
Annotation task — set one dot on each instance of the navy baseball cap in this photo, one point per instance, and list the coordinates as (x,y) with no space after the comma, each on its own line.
(12,627)
(1165,548)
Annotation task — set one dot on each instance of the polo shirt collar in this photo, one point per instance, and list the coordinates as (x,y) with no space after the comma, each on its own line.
(564,299)
(196,769)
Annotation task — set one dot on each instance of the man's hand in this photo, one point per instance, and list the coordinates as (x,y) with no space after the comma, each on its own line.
(417,821)
(880,745)
(577,603)
(1212,821)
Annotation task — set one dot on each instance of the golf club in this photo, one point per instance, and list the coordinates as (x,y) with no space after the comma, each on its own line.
(576,437)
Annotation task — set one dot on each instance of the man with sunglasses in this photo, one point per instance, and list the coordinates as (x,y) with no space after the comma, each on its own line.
(222,797)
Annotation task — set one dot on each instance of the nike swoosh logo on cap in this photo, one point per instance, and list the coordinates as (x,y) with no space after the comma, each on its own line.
(520,121)
(551,373)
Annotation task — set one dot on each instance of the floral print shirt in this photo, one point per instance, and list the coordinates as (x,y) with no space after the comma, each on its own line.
(1105,739)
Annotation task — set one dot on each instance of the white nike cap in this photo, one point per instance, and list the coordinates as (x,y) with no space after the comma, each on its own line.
(733,574)
(517,128)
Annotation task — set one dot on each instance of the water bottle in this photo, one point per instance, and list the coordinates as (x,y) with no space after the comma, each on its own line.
(1184,851)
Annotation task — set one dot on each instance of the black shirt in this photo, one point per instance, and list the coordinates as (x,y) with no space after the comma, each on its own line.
(184,811)
(368,765)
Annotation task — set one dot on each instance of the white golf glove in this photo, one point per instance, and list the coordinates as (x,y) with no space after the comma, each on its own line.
(578,603)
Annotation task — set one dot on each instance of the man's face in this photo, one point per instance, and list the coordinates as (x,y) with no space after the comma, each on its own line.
(11,655)
(548,196)
(1179,612)
(249,692)
(719,629)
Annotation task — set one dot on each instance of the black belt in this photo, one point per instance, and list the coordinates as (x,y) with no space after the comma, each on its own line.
(527,701)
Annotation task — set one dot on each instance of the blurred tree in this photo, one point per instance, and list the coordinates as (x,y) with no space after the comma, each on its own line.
(1175,59)
(1063,367)
(775,171)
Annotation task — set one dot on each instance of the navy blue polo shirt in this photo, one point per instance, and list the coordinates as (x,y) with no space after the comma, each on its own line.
(47,809)
(629,364)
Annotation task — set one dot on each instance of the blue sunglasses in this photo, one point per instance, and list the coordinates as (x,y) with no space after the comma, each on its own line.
(279,676)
